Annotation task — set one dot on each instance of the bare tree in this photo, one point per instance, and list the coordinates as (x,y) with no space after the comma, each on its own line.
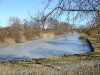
(81,8)
(14,21)
(52,23)
(15,28)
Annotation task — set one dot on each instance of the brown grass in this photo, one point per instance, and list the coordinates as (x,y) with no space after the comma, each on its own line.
(83,36)
(13,34)
(54,67)
(46,35)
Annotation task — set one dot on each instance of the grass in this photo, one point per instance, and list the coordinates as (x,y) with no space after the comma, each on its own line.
(62,65)
(29,32)
(79,64)
(83,36)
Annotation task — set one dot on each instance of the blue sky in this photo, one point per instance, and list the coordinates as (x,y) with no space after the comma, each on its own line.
(20,8)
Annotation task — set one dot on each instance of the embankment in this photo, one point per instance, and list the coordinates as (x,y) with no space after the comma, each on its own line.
(8,41)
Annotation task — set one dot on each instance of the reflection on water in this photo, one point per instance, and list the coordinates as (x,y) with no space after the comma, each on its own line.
(59,45)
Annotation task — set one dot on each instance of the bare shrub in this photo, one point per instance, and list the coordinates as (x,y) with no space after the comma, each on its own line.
(30,32)
(15,33)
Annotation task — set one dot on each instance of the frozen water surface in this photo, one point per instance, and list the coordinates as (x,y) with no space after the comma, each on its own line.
(56,46)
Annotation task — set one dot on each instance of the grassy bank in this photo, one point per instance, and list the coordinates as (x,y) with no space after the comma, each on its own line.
(33,67)
(20,33)
(83,64)
(12,35)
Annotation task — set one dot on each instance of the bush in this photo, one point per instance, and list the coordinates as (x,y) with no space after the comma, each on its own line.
(30,32)
(10,32)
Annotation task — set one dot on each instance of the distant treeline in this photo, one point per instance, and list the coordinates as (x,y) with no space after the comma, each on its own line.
(16,29)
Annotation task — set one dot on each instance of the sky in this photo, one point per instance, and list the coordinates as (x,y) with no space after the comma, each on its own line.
(18,8)
(21,9)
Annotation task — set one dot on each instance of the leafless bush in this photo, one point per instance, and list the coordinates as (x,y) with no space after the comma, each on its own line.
(30,32)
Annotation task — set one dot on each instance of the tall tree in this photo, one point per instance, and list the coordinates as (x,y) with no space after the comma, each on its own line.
(81,8)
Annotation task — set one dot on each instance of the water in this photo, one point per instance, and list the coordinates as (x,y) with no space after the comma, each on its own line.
(59,45)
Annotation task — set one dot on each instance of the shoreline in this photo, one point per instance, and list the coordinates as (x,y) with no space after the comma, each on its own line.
(96,51)
(11,41)
(88,63)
